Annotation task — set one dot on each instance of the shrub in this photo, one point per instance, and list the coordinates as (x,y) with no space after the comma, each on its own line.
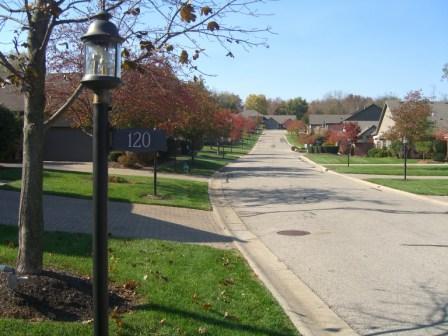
(396,149)
(378,152)
(294,149)
(439,146)
(438,156)
(423,147)
(128,160)
(113,156)
(9,134)
(310,149)
(330,149)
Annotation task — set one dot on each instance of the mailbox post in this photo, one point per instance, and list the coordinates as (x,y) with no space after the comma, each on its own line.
(405,155)
(349,150)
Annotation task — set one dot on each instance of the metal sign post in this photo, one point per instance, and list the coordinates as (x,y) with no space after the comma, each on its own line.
(155,174)
(140,140)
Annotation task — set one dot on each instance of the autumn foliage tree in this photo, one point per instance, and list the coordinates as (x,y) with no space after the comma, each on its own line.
(257,102)
(34,24)
(296,126)
(343,138)
(411,118)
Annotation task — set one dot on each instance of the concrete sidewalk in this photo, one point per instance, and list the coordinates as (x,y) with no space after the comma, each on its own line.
(86,167)
(125,220)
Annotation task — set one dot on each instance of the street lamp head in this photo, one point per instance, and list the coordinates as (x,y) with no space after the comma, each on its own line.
(102,54)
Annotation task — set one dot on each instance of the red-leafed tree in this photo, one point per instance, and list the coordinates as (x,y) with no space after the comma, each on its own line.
(296,126)
(33,25)
(238,127)
(348,134)
(307,139)
(250,125)
(411,119)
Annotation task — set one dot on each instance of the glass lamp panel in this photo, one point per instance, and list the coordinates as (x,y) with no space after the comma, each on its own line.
(100,59)
(118,60)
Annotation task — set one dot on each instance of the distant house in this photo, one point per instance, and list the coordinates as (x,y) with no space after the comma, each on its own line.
(325,122)
(438,118)
(277,121)
(251,114)
(367,119)
(62,142)
(385,124)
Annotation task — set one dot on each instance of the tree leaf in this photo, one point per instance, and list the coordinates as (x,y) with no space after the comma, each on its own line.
(206,10)
(187,13)
(183,58)
(212,26)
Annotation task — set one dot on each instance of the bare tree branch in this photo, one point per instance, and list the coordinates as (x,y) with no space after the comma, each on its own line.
(64,107)
(7,64)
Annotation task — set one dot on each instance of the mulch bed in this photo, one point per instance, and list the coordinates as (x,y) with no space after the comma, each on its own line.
(58,296)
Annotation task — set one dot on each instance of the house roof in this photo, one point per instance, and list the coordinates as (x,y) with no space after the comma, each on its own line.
(281,119)
(369,113)
(11,98)
(439,115)
(321,119)
(363,125)
(251,113)
(392,105)
(369,131)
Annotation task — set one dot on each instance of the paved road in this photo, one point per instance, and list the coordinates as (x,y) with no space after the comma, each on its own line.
(379,259)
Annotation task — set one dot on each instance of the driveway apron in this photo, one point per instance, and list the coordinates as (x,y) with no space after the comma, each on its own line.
(377,258)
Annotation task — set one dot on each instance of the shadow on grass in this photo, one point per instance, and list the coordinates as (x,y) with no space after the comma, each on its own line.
(227,324)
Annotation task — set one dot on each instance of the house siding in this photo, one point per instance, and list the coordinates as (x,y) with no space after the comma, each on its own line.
(67,144)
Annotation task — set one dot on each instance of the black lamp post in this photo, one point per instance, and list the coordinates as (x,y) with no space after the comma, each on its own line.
(405,154)
(102,72)
(349,145)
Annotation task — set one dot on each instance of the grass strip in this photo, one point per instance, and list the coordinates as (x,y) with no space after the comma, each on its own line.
(132,189)
(293,139)
(342,159)
(183,289)
(441,170)
(421,187)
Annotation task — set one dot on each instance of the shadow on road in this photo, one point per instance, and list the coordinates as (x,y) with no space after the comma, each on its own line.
(434,323)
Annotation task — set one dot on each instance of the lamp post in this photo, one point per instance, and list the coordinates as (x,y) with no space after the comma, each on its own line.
(102,72)
(349,145)
(405,154)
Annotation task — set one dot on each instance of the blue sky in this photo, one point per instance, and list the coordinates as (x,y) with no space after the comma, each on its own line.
(367,47)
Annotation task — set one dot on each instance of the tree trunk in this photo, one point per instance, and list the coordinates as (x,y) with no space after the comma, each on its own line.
(31,221)
(30,255)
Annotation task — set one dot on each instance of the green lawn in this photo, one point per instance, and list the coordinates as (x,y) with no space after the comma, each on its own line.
(208,161)
(292,139)
(441,170)
(421,187)
(190,287)
(133,189)
(342,159)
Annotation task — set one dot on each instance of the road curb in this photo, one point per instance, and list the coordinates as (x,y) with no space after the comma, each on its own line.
(309,314)
(372,184)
